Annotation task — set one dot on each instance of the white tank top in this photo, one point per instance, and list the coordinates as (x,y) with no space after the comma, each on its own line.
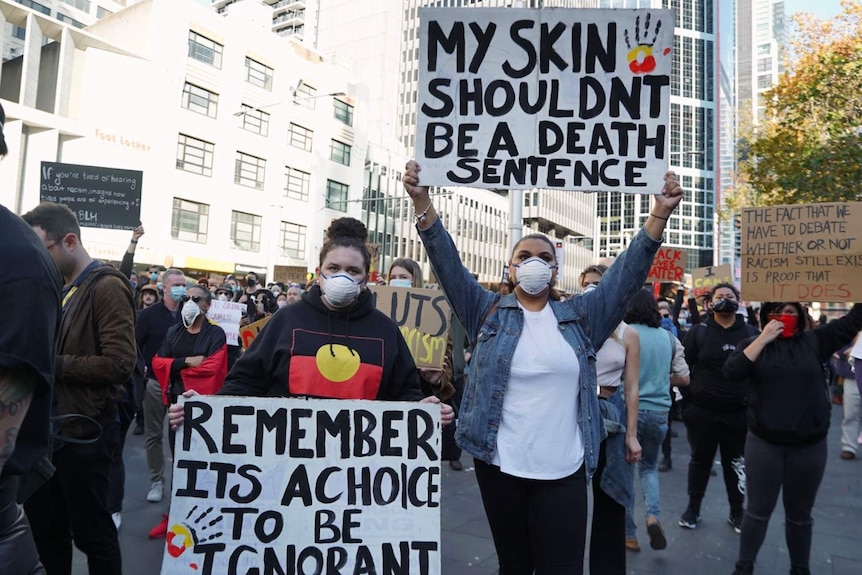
(611,359)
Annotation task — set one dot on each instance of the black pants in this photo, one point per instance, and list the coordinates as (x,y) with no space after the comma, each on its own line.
(18,554)
(608,529)
(118,468)
(709,430)
(798,470)
(537,525)
(73,505)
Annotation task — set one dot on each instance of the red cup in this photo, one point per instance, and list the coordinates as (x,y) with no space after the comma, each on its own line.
(789,321)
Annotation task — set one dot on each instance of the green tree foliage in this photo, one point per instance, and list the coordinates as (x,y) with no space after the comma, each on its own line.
(808,148)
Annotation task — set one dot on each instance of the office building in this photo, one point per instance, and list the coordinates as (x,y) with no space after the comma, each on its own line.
(295,18)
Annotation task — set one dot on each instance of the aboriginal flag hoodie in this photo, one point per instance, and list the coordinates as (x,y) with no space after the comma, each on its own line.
(308,350)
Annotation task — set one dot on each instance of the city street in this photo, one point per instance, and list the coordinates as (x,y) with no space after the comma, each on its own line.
(467,547)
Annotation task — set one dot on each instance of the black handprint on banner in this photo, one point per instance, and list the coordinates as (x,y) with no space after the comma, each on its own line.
(640,57)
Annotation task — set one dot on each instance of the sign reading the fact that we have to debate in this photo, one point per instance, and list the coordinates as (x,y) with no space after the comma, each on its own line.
(809,252)
(575,99)
(276,485)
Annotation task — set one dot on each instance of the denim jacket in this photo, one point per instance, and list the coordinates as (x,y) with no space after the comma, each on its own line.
(617,479)
(584,321)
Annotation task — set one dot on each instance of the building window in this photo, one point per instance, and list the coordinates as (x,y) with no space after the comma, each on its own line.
(336,196)
(245,231)
(249,171)
(195,155)
(339,152)
(69,20)
(258,74)
(19,32)
(205,50)
(299,137)
(343,112)
(254,120)
(102,12)
(305,96)
(83,5)
(189,221)
(35,6)
(293,240)
(297,184)
(200,100)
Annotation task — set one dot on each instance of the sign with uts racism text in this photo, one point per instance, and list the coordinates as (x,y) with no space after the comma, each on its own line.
(302,487)
(574,99)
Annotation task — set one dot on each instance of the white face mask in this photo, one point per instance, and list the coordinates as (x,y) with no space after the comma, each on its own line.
(590,288)
(190,312)
(281,303)
(400,283)
(340,290)
(534,275)
(222,297)
(275,291)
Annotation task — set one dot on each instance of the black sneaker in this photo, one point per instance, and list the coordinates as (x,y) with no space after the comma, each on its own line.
(689,519)
(665,465)
(735,521)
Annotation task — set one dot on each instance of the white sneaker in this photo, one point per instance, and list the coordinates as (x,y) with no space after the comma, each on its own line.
(155,494)
(118,519)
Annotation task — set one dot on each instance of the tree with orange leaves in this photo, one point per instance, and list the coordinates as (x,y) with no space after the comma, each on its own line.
(808,148)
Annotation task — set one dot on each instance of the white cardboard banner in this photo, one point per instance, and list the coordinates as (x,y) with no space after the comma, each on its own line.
(276,485)
(574,99)
(227,315)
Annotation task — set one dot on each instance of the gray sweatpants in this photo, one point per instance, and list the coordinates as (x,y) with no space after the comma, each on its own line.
(154,429)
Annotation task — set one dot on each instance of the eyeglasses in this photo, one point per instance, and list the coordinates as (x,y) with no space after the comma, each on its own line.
(194,298)
(293,286)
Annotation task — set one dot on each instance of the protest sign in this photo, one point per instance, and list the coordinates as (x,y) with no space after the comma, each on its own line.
(574,99)
(423,317)
(249,332)
(106,198)
(809,252)
(704,279)
(227,315)
(668,265)
(276,485)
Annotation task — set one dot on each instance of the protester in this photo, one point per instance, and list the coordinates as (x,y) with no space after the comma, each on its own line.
(153,324)
(851,401)
(662,365)
(149,296)
(788,421)
(617,362)
(281,300)
(337,317)
(129,257)
(405,272)
(97,355)
(193,356)
(27,361)
(714,411)
(534,436)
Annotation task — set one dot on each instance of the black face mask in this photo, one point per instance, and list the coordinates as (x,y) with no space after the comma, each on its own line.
(725,306)
(250,282)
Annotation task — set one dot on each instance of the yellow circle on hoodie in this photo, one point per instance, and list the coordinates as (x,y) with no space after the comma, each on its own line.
(338,367)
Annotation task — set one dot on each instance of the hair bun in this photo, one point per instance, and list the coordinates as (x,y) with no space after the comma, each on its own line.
(347,228)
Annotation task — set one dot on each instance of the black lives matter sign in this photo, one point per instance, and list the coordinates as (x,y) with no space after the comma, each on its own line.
(275,485)
(107,198)
(554,98)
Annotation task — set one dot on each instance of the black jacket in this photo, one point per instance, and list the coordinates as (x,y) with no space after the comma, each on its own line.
(788,401)
(308,350)
(707,346)
(211,338)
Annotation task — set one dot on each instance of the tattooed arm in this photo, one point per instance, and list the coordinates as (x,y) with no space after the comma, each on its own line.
(16,392)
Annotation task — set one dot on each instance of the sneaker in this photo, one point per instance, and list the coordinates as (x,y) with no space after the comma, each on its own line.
(632,544)
(139,427)
(689,519)
(665,465)
(657,539)
(118,519)
(456,465)
(735,521)
(160,530)
(859,439)
(156,491)
(744,568)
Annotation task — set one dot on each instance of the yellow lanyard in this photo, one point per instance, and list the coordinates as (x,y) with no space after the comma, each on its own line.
(69,295)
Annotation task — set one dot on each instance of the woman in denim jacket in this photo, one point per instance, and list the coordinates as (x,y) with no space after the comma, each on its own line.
(530,415)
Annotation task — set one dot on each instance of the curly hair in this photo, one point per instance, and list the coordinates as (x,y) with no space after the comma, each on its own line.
(347,233)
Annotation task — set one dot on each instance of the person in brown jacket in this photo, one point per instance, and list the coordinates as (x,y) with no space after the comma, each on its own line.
(96,356)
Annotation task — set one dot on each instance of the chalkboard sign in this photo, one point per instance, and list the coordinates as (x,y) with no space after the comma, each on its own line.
(106,198)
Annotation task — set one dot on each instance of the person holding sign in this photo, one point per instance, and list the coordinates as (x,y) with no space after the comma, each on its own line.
(333,343)
(530,414)
(788,421)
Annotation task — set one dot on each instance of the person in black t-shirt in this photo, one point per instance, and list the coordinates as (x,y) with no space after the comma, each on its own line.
(26,375)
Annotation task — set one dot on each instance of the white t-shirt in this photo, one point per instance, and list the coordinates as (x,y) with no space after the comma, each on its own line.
(856,350)
(611,359)
(539,436)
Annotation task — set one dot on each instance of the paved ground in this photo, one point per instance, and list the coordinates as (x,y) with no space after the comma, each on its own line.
(468,549)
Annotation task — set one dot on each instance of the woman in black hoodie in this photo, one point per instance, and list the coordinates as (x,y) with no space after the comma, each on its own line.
(788,420)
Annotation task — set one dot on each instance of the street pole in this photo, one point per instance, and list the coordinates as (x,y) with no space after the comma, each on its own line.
(516,218)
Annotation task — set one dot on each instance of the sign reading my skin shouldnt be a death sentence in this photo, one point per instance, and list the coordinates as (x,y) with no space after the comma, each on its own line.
(278,485)
(573,99)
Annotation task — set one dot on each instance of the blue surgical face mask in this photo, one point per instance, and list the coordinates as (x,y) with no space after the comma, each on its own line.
(134,283)
(154,276)
(400,283)
(177,293)
(159,286)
